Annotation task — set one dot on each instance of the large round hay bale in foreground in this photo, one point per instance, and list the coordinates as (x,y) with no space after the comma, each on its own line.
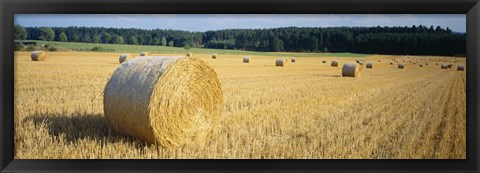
(351,70)
(334,63)
(369,65)
(281,62)
(246,59)
(170,101)
(460,67)
(39,56)
(125,57)
(145,54)
(401,66)
(214,56)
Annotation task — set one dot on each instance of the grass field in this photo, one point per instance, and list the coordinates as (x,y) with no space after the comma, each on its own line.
(303,110)
(181,50)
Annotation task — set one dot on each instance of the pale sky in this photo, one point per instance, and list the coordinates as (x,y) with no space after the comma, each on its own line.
(205,22)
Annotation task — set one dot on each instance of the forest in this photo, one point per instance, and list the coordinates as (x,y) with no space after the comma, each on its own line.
(414,40)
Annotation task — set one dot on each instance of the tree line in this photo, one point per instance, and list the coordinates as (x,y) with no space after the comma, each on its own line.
(416,40)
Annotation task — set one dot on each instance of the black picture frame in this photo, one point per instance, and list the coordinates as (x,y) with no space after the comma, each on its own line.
(10,7)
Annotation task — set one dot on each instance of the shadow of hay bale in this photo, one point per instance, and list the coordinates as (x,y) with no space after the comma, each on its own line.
(79,126)
(325,75)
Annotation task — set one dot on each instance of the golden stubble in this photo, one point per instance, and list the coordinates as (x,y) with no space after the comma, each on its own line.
(303,110)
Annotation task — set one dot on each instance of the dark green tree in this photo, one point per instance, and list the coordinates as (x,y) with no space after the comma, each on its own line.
(119,40)
(107,37)
(63,37)
(47,34)
(20,32)
(164,41)
(96,39)
(133,40)
(75,38)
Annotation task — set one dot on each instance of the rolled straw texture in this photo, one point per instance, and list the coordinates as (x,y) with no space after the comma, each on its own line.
(169,101)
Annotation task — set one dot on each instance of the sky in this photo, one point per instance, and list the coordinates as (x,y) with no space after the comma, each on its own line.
(206,22)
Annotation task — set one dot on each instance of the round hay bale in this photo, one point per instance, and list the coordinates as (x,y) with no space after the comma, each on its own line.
(39,56)
(214,56)
(450,65)
(379,60)
(281,62)
(125,57)
(401,66)
(444,66)
(324,61)
(170,101)
(361,63)
(293,60)
(334,63)
(246,59)
(358,61)
(369,65)
(351,70)
(189,54)
(145,54)
(421,65)
(460,67)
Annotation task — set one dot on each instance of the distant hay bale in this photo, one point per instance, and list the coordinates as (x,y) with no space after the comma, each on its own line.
(145,54)
(460,67)
(214,56)
(444,66)
(334,63)
(391,63)
(281,62)
(170,101)
(369,65)
(358,61)
(189,54)
(125,57)
(323,61)
(450,65)
(379,60)
(401,66)
(39,56)
(436,63)
(293,60)
(246,59)
(421,65)
(351,70)
(361,63)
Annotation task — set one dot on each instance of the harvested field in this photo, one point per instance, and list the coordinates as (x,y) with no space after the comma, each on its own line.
(304,111)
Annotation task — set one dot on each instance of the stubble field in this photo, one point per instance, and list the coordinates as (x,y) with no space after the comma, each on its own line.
(303,110)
